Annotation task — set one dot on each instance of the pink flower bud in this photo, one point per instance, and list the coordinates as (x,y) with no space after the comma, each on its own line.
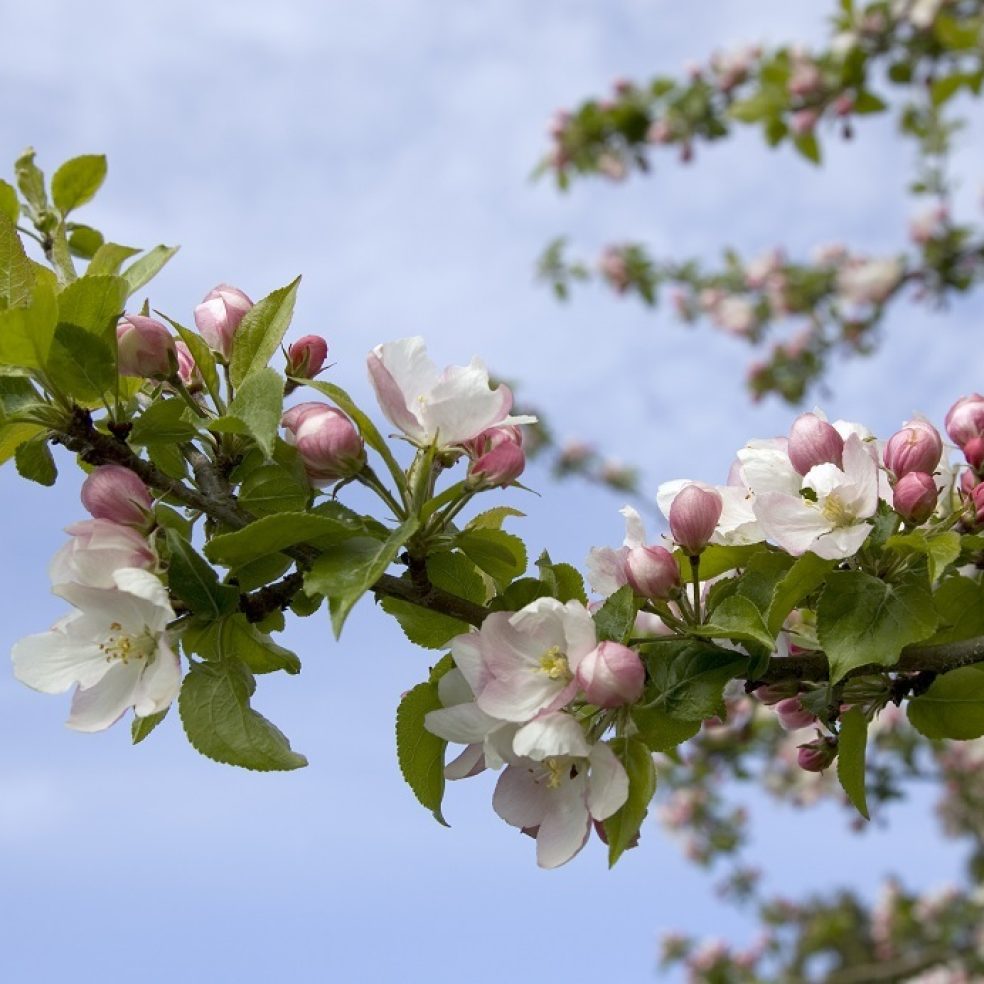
(306,357)
(97,548)
(914,497)
(145,346)
(501,465)
(915,448)
(968,482)
(974,452)
(793,715)
(652,571)
(977,496)
(611,675)
(815,756)
(803,121)
(113,492)
(188,371)
(773,693)
(965,419)
(329,445)
(812,441)
(694,514)
(844,104)
(219,315)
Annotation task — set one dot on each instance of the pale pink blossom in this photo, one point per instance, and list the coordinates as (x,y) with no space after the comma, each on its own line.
(867,282)
(96,550)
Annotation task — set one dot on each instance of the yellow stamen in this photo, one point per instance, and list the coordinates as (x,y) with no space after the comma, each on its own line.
(554,663)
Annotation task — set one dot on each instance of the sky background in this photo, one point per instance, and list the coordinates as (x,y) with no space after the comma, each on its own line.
(383,150)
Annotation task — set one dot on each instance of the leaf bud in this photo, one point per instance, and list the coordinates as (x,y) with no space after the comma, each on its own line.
(611,675)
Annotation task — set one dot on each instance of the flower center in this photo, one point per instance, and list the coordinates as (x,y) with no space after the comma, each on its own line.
(119,645)
(556,769)
(554,663)
(836,513)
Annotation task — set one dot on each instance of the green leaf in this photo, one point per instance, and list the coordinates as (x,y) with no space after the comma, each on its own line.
(93,304)
(421,754)
(563,580)
(622,827)
(30,181)
(168,458)
(501,555)
(492,519)
(108,259)
(804,577)
(863,620)
(761,575)
(688,678)
(519,594)
(273,534)
(12,436)
(367,428)
(940,549)
(660,731)
(140,727)
(261,331)
(195,583)
(738,619)
(806,144)
(953,706)
(164,420)
(616,617)
(257,406)
(234,637)
(960,604)
(16,272)
(344,573)
(140,272)
(81,365)
(26,333)
(868,102)
(9,206)
(272,489)
(717,559)
(84,241)
(77,181)
(214,705)
(34,461)
(851,747)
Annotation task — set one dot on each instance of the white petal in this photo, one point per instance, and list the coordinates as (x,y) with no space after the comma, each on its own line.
(519,799)
(461,405)
(538,627)
(556,733)
(606,570)
(635,530)
(53,661)
(159,683)
(468,763)
(668,491)
(862,472)
(466,651)
(790,522)
(520,696)
(579,631)
(566,826)
(463,724)
(608,783)
(842,542)
(453,689)
(401,373)
(102,705)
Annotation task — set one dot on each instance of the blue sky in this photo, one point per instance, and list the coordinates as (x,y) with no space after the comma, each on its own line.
(383,150)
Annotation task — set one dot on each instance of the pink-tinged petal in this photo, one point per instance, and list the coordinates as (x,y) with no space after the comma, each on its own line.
(562,698)
(453,689)
(102,705)
(606,569)
(469,763)
(519,697)
(145,586)
(550,735)
(52,662)
(668,491)
(862,471)
(462,405)
(519,798)
(608,783)
(737,525)
(530,632)
(579,630)
(790,522)
(400,372)
(463,724)
(566,827)
(498,746)
(104,606)
(466,650)
(635,530)
(842,542)
(159,683)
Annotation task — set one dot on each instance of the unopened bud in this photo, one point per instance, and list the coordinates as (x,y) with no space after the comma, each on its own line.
(974,453)
(146,348)
(219,315)
(694,515)
(652,571)
(914,497)
(815,756)
(115,493)
(803,121)
(329,446)
(915,448)
(501,465)
(306,357)
(773,693)
(977,497)
(793,715)
(188,371)
(812,441)
(611,675)
(965,419)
